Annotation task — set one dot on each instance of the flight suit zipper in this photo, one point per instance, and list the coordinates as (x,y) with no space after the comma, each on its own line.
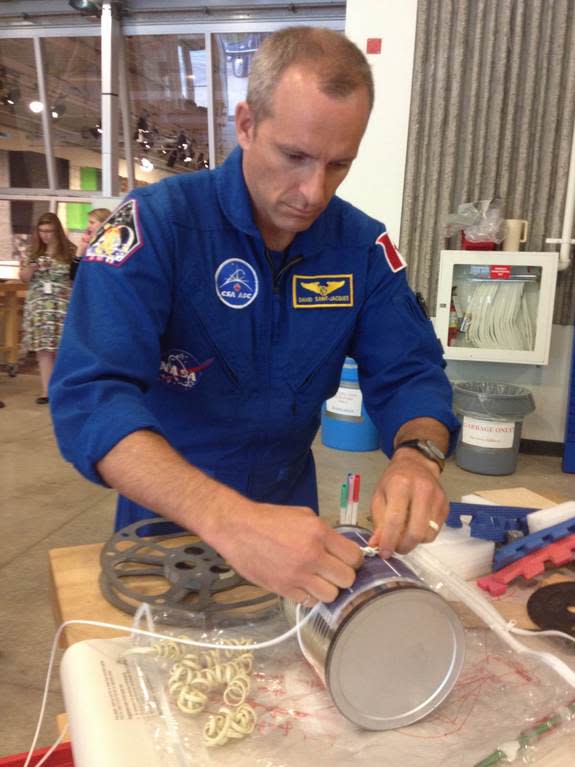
(276,284)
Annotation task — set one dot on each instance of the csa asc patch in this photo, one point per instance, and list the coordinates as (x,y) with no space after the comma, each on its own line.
(322,291)
(180,368)
(391,253)
(119,237)
(236,283)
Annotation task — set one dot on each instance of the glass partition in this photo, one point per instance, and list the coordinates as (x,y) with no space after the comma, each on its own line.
(232,60)
(169,104)
(22,158)
(73,82)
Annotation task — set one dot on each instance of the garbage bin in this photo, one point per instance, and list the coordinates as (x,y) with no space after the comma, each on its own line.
(345,424)
(491,416)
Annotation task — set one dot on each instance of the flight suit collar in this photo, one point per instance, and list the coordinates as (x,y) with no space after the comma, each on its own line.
(235,202)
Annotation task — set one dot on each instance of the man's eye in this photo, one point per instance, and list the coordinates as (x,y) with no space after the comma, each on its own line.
(294,157)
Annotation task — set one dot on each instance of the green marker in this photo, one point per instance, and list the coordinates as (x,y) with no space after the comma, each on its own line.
(343,504)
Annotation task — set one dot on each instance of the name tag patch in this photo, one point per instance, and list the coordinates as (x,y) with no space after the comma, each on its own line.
(322,291)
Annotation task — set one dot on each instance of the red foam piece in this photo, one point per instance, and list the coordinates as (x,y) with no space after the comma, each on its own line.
(558,554)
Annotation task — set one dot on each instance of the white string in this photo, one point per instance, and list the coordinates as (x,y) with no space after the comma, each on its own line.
(537,632)
(53,747)
(154,635)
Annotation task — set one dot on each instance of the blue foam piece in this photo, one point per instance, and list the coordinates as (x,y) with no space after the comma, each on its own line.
(491,523)
(530,543)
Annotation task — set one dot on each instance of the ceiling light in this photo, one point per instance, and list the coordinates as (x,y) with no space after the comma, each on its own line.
(87,7)
(9,99)
(36,107)
(58,109)
(12,96)
(96,132)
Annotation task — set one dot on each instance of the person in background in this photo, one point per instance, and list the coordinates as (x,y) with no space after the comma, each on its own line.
(46,267)
(96,218)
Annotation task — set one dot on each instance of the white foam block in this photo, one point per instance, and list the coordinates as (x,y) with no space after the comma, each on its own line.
(468,557)
(473,498)
(539,520)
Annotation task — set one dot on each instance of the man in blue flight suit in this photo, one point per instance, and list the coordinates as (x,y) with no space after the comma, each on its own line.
(210,320)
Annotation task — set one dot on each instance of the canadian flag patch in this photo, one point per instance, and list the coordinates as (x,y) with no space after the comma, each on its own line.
(391,253)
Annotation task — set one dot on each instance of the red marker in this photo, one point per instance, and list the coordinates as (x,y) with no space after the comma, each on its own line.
(355,507)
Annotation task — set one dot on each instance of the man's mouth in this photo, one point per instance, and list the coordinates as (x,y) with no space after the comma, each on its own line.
(306,213)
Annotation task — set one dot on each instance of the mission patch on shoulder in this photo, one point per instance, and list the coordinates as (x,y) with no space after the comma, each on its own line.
(119,237)
(322,291)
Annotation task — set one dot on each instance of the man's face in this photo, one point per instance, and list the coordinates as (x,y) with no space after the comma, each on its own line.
(295,160)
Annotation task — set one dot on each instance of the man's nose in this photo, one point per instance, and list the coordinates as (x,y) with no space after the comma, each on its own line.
(313,187)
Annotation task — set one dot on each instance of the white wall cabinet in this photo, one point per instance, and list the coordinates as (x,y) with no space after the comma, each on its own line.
(496,306)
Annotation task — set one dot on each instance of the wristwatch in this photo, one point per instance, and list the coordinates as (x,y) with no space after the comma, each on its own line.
(428,448)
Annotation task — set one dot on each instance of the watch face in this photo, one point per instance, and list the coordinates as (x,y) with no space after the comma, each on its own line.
(434,449)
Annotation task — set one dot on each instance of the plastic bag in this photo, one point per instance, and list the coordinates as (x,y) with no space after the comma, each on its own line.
(481,221)
(499,695)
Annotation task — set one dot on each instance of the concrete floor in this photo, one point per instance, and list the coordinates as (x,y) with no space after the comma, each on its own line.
(46,504)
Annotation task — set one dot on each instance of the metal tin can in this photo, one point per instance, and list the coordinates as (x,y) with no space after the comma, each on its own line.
(389,649)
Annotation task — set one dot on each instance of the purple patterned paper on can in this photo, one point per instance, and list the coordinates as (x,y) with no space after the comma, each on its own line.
(373,572)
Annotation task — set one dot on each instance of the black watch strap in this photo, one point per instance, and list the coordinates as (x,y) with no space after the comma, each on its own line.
(427,448)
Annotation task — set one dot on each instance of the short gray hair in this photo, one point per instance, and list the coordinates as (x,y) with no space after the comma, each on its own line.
(338,64)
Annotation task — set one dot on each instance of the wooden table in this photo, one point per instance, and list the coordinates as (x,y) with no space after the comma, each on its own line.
(75,593)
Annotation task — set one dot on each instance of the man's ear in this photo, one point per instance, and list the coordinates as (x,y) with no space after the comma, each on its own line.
(245,127)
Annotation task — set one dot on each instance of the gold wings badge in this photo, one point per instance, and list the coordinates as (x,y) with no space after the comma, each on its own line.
(323,290)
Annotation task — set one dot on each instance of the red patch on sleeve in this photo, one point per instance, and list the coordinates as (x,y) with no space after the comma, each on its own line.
(391,253)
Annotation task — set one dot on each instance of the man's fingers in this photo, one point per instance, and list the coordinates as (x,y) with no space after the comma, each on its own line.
(335,571)
(321,589)
(417,528)
(303,597)
(392,520)
(343,549)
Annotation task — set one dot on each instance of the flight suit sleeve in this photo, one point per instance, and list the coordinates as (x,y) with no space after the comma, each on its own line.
(400,359)
(110,348)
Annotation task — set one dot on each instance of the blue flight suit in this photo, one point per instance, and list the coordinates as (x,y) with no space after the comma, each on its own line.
(182,322)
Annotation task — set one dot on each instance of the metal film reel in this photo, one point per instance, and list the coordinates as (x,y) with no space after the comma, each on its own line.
(187,580)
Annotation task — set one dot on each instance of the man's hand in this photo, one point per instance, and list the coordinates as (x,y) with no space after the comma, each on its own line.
(285,549)
(289,550)
(406,498)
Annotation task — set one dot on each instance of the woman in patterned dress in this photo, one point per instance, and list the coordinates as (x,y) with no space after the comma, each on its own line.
(46,267)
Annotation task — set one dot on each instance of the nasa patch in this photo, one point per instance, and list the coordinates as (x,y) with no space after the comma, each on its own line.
(118,238)
(180,368)
(236,283)
(392,255)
